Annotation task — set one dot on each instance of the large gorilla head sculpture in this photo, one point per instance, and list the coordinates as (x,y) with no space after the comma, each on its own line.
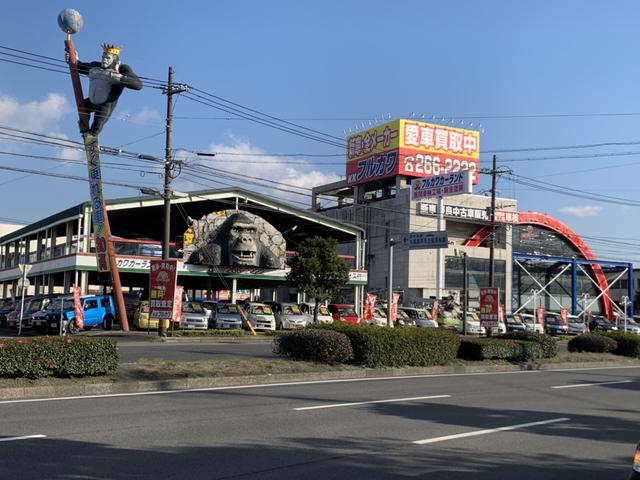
(236,238)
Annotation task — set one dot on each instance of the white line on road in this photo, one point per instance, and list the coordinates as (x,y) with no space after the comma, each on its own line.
(591,384)
(351,404)
(491,430)
(26,437)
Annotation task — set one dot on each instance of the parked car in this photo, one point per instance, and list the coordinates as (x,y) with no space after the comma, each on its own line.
(7,307)
(635,469)
(473,325)
(576,325)
(226,315)
(53,320)
(193,316)
(344,313)
(598,322)
(379,317)
(324,315)
(531,323)
(448,320)
(260,315)
(131,302)
(632,326)
(31,306)
(554,324)
(421,316)
(515,323)
(97,310)
(289,316)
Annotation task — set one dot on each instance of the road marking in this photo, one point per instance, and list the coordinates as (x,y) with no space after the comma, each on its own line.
(491,430)
(293,384)
(26,437)
(591,384)
(351,404)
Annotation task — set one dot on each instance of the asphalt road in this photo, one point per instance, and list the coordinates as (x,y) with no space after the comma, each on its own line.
(186,352)
(526,425)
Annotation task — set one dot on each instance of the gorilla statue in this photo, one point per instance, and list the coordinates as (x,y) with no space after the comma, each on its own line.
(236,242)
(107,80)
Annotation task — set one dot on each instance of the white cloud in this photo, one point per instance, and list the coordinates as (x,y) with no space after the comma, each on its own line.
(252,163)
(34,116)
(582,211)
(70,153)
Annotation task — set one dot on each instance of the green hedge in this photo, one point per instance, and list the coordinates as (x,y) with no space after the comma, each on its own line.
(498,348)
(547,343)
(628,343)
(315,345)
(592,342)
(375,346)
(57,357)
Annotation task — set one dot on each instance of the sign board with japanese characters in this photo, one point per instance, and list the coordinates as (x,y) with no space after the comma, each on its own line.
(412,148)
(489,306)
(162,286)
(437,239)
(454,211)
(441,185)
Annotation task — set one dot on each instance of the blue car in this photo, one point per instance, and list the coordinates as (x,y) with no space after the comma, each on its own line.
(98,310)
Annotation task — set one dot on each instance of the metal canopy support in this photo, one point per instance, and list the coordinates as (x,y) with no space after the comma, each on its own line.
(575,264)
(542,288)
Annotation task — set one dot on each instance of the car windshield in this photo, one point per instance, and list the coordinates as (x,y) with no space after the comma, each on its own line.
(192,307)
(323,311)
(261,310)
(347,312)
(292,310)
(56,305)
(378,312)
(514,319)
(227,308)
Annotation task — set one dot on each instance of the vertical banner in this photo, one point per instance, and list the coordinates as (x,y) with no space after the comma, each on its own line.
(77,307)
(368,307)
(501,315)
(540,315)
(162,287)
(434,310)
(489,306)
(394,307)
(97,202)
(177,303)
(564,315)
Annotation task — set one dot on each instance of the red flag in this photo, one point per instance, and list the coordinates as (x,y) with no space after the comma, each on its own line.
(77,305)
(368,307)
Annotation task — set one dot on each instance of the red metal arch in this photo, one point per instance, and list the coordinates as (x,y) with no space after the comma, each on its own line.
(550,223)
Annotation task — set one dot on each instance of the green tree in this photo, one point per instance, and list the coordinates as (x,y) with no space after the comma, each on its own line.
(318,271)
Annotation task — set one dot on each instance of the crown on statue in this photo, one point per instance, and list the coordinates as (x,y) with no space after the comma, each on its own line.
(109,48)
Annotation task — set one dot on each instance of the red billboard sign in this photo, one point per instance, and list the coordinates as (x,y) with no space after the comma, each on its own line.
(162,286)
(489,306)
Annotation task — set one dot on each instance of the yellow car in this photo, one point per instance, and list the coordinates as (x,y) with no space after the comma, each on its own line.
(141,318)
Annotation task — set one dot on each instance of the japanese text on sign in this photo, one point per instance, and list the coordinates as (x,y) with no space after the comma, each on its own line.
(454,211)
(441,185)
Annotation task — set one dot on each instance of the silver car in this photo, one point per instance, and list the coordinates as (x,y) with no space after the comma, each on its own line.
(260,316)
(324,315)
(421,316)
(632,326)
(289,316)
(226,315)
(193,316)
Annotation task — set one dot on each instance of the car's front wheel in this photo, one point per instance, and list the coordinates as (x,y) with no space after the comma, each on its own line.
(72,326)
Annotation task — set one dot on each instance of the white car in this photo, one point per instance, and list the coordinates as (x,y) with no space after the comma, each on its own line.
(473,325)
(379,317)
(260,315)
(531,324)
(421,316)
(324,315)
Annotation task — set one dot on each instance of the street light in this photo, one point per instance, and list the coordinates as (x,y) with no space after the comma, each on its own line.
(392,242)
(625,302)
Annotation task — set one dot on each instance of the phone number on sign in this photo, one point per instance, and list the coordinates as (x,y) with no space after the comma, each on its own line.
(434,165)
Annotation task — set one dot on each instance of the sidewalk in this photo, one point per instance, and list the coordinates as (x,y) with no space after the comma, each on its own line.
(95,386)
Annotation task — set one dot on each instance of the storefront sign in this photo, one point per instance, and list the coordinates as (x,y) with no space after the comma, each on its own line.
(98,210)
(452,211)
(437,239)
(358,276)
(407,147)
(137,263)
(441,185)
(489,306)
(162,286)
(507,216)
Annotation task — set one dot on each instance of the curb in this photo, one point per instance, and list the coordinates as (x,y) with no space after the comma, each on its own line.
(133,387)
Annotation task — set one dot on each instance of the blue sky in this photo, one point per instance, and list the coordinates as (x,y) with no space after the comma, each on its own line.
(534,75)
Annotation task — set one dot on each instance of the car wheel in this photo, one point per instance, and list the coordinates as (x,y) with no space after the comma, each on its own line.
(72,327)
(107,323)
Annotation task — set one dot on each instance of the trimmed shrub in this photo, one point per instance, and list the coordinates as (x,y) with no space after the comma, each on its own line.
(547,344)
(315,345)
(591,342)
(628,343)
(499,348)
(375,346)
(57,357)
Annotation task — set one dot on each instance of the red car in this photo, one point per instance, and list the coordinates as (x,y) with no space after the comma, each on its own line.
(343,312)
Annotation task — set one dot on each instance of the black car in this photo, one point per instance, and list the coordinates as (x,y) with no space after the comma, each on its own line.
(555,326)
(7,307)
(48,321)
(602,324)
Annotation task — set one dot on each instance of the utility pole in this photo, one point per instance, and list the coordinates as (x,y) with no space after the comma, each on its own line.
(392,242)
(465,292)
(168,172)
(492,244)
